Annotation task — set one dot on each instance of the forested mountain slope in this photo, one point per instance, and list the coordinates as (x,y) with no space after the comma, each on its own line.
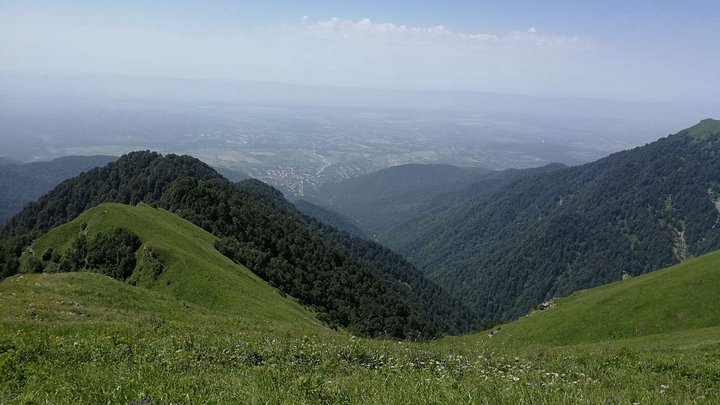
(394,194)
(329,217)
(173,257)
(379,201)
(258,228)
(555,233)
(407,281)
(21,183)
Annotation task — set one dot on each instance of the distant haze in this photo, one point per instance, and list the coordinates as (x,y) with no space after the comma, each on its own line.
(299,94)
(651,51)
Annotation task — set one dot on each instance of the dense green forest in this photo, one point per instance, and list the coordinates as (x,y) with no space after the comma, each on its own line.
(555,233)
(379,201)
(427,296)
(329,217)
(21,183)
(11,249)
(258,228)
(491,244)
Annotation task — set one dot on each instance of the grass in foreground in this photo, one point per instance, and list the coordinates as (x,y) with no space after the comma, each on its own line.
(218,334)
(68,338)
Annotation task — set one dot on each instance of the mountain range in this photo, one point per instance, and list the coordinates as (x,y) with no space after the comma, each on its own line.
(258,228)
(533,235)
(154,279)
(472,244)
(21,183)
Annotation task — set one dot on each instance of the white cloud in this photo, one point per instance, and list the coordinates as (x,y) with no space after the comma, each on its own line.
(334,52)
(365,28)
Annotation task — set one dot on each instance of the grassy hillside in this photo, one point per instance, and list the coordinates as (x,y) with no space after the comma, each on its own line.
(194,270)
(86,338)
(258,228)
(683,299)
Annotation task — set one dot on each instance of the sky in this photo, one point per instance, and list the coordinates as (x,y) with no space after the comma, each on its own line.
(626,50)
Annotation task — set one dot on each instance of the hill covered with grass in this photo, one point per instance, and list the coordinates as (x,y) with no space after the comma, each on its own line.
(259,229)
(679,299)
(179,259)
(88,338)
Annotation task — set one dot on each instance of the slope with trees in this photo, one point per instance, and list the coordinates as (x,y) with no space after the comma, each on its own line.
(552,234)
(257,227)
(21,183)
(379,201)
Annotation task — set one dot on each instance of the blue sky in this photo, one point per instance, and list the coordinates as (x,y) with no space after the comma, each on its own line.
(635,50)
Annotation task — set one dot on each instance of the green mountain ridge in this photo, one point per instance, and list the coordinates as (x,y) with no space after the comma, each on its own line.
(65,337)
(193,270)
(329,217)
(204,328)
(379,201)
(256,227)
(21,183)
(704,129)
(554,233)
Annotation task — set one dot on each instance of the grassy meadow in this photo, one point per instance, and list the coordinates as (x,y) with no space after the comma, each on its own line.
(209,331)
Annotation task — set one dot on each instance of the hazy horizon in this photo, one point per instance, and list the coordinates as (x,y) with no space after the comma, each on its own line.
(299,94)
(614,50)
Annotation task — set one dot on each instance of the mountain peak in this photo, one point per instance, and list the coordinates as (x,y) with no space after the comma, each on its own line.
(704,128)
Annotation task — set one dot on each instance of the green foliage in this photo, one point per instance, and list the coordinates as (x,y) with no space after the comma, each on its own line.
(328,217)
(241,253)
(48,254)
(574,228)
(35,265)
(85,333)
(10,251)
(379,201)
(111,254)
(135,177)
(152,259)
(432,301)
(177,259)
(275,240)
(680,298)
(21,183)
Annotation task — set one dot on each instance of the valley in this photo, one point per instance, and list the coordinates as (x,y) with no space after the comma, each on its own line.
(234,294)
(343,202)
(505,241)
(299,146)
(66,334)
